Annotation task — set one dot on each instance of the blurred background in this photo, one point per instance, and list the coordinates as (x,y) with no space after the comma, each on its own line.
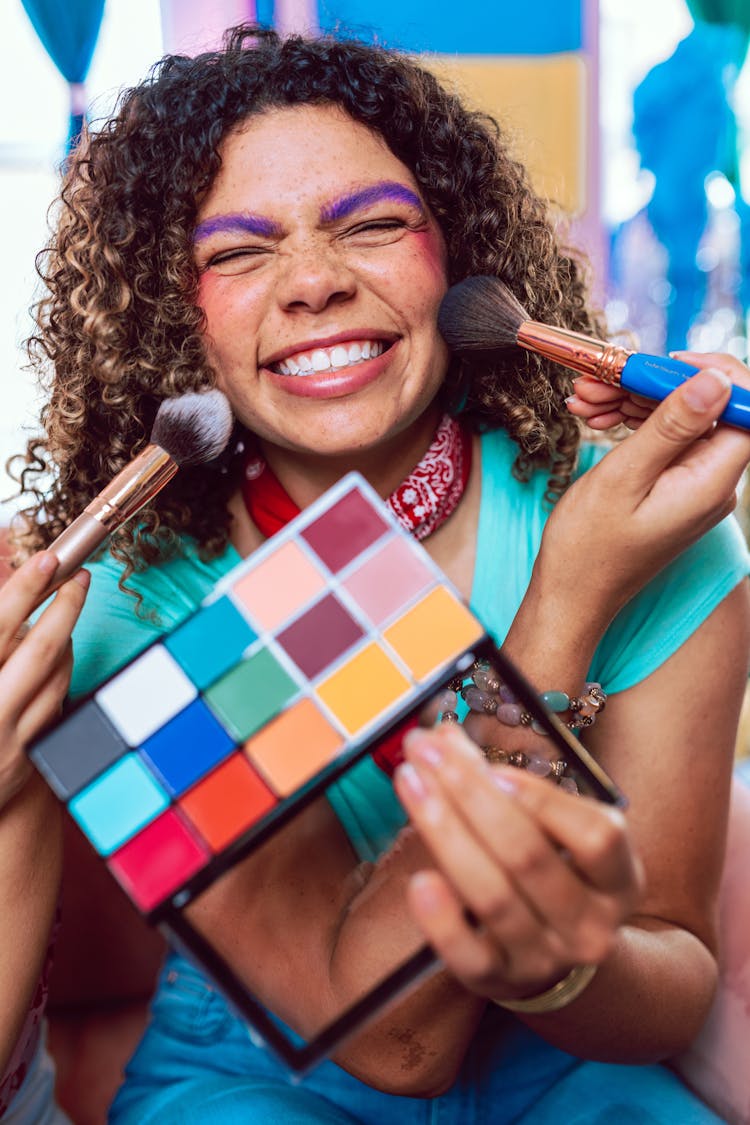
(634,116)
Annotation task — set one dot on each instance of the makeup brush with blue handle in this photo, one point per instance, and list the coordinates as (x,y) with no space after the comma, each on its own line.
(481,314)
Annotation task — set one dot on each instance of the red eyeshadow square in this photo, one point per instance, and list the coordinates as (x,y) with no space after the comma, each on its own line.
(321,635)
(156,862)
(227,802)
(345,530)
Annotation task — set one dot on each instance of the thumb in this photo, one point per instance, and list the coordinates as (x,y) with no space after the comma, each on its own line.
(683,417)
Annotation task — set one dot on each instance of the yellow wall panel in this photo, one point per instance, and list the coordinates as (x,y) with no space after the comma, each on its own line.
(542,101)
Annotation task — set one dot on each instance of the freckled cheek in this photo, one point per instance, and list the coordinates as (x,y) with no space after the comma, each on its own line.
(421,281)
(432,249)
(229,311)
(429,259)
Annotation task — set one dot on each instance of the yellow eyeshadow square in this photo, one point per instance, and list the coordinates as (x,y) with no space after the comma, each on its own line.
(365,686)
(279,585)
(434,631)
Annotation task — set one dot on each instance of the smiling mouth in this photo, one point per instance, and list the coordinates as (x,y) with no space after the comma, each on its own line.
(337,358)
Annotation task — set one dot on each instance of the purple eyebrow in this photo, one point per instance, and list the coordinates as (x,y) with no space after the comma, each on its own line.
(387,189)
(239,223)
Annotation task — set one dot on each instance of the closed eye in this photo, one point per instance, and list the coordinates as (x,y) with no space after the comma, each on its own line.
(238,256)
(377,224)
(376,232)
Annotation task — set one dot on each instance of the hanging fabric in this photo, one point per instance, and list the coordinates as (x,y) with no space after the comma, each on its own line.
(68,32)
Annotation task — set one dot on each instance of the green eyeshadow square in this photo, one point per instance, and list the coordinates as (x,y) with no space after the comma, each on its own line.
(246,698)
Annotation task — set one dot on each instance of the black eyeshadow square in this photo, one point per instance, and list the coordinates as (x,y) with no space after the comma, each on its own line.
(72,755)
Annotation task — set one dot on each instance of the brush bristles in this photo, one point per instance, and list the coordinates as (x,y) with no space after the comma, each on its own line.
(193,428)
(480,314)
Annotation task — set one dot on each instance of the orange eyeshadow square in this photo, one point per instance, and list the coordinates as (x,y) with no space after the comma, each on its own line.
(294,747)
(227,801)
(434,631)
(362,688)
(279,586)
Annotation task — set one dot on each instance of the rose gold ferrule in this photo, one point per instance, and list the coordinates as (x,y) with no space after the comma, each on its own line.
(580,353)
(133,487)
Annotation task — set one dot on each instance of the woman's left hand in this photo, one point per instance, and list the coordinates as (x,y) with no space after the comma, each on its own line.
(529,880)
(603,406)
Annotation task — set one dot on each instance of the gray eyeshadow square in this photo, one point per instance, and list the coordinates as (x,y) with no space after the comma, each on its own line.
(73,753)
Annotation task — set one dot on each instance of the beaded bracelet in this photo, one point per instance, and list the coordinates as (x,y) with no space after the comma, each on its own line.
(485,693)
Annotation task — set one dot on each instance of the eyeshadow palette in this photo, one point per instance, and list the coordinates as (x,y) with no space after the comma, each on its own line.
(305,657)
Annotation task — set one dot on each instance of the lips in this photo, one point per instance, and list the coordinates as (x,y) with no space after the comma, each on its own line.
(328,354)
(334,369)
(337,358)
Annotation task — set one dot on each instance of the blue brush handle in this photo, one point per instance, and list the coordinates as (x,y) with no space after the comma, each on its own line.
(654,377)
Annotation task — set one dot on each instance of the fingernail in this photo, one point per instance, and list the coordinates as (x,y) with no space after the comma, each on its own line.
(704,390)
(423,887)
(408,778)
(417,743)
(83,578)
(571,399)
(503,780)
(46,563)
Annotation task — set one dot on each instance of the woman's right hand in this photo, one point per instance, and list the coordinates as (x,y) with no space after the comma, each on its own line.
(35,663)
(653,495)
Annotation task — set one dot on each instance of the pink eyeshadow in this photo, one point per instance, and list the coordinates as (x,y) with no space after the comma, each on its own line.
(389,580)
(157,861)
(278,586)
(345,530)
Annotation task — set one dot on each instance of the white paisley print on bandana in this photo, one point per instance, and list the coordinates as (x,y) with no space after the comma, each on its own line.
(432,490)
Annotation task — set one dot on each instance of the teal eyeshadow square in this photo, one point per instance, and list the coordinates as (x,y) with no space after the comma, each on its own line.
(251,694)
(211,642)
(118,804)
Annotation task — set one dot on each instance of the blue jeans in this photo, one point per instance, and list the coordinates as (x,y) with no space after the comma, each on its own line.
(197,1065)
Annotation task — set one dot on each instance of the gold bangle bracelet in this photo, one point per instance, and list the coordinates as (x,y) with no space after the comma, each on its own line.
(559,996)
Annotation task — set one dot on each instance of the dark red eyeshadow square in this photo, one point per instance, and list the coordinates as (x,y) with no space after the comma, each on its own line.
(345,530)
(320,636)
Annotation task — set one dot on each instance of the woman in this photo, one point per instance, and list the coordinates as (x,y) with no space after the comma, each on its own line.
(34,678)
(284,219)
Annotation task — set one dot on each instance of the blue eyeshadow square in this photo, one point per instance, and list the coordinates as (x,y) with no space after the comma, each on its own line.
(118,804)
(211,642)
(187,747)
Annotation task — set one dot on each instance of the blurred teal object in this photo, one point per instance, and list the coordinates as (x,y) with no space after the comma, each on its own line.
(722,11)
(68,30)
(685,128)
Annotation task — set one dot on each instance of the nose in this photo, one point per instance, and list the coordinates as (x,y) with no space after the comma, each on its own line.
(314,277)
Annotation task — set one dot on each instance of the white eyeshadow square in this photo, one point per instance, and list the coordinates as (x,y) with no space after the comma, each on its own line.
(150,692)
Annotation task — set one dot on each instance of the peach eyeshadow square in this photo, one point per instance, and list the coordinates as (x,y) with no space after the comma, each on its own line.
(279,586)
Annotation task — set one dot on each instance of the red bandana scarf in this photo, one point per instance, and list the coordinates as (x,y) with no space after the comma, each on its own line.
(421,503)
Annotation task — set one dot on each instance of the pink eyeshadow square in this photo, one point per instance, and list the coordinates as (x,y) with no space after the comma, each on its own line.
(158,860)
(389,580)
(278,586)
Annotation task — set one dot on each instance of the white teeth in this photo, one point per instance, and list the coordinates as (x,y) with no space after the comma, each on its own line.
(327,359)
(320,360)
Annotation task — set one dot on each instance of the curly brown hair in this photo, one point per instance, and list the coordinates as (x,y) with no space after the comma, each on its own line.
(119,328)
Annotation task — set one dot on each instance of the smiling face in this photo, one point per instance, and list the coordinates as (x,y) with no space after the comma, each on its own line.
(321,273)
